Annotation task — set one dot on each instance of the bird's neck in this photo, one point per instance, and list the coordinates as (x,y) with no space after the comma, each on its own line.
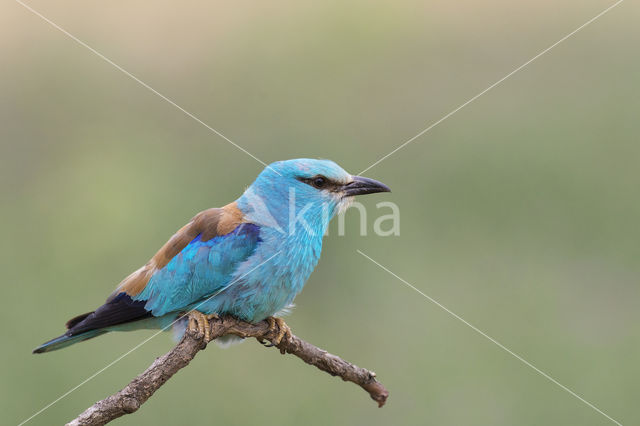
(296,218)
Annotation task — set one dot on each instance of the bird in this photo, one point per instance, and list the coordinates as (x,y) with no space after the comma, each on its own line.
(248,259)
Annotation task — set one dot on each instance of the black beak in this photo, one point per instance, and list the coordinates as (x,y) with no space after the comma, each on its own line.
(362,185)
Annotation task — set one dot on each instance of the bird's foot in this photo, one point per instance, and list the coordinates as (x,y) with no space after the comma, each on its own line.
(280,328)
(199,325)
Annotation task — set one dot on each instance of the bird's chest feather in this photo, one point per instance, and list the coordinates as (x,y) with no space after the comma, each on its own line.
(270,279)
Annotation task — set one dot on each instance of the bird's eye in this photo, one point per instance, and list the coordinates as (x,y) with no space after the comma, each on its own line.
(319,182)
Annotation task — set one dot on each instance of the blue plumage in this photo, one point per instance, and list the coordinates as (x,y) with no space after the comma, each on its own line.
(248,259)
(199,270)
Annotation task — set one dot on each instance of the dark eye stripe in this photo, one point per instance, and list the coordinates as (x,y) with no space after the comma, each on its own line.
(319,182)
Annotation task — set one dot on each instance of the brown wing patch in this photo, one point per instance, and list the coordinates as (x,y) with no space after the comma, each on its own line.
(209,224)
(231,218)
(135,282)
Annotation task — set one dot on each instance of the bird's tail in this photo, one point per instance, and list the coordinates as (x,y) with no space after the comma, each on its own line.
(118,313)
(66,340)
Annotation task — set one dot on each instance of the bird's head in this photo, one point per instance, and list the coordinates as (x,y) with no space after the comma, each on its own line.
(307,189)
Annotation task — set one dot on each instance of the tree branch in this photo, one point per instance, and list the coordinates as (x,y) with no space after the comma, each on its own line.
(136,393)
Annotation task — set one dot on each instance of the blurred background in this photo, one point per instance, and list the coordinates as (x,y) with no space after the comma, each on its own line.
(519,213)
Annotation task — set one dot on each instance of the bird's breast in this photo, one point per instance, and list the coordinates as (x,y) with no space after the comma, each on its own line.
(271,278)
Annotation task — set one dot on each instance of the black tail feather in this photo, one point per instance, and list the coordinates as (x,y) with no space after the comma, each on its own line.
(118,310)
(76,320)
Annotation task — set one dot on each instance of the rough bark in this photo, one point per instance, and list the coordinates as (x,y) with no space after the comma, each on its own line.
(136,393)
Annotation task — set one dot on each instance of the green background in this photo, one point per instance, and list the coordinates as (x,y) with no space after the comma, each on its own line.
(519,212)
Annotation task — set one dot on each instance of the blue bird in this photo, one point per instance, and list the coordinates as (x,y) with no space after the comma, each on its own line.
(248,259)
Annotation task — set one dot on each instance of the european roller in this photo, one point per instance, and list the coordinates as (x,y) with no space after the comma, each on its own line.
(248,259)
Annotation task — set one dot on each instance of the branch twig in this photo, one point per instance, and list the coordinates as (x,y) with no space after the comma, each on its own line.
(136,393)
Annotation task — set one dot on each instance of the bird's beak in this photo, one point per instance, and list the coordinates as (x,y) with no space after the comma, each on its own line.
(362,185)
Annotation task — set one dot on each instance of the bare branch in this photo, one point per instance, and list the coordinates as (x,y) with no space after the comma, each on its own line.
(136,393)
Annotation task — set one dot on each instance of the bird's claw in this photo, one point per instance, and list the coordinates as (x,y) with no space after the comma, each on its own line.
(266,343)
(281,330)
(199,325)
